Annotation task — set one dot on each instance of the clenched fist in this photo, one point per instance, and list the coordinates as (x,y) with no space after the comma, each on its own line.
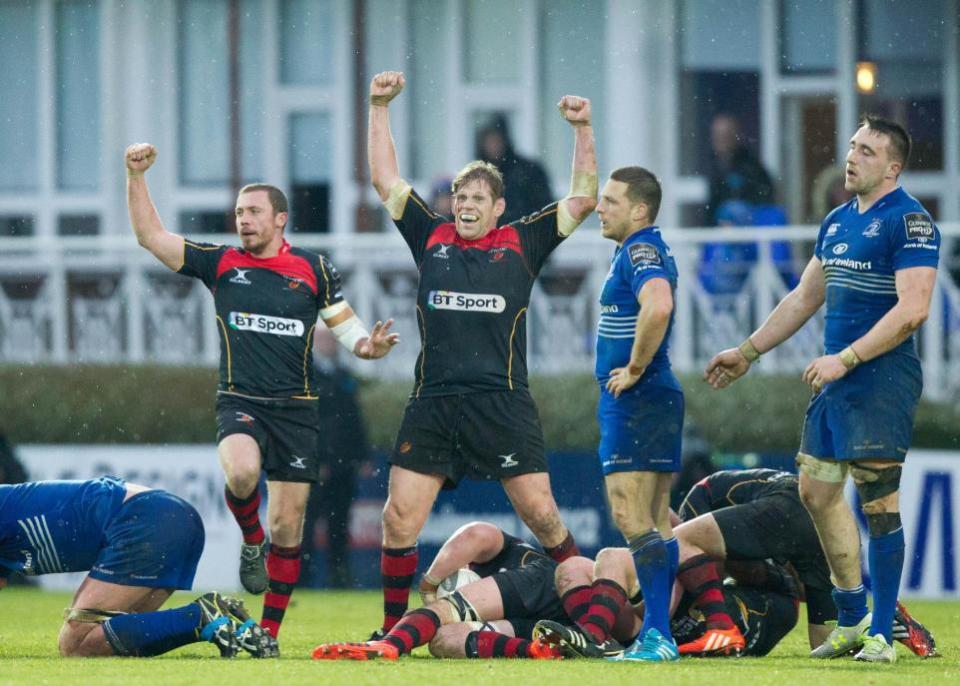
(139,157)
(575,110)
(386,86)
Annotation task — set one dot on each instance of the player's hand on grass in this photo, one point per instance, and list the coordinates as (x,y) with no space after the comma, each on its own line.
(621,379)
(385,86)
(575,110)
(824,370)
(726,367)
(378,343)
(139,157)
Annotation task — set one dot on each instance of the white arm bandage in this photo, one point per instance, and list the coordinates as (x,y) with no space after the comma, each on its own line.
(349,332)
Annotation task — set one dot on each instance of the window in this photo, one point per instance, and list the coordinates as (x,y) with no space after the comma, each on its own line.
(206,221)
(808,36)
(16,226)
(906,47)
(428,125)
(306,52)
(19,112)
(204,44)
(78,95)
(491,49)
(79,225)
(720,63)
(310,156)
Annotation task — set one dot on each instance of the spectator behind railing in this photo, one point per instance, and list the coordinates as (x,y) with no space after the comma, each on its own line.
(735,171)
(725,267)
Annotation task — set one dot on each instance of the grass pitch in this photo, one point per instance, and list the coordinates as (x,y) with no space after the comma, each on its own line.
(30,619)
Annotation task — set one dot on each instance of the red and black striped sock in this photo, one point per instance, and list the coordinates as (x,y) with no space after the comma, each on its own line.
(700,576)
(247,513)
(283,569)
(487,644)
(576,602)
(397,567)
(566,548)
(416,628)
(607,600)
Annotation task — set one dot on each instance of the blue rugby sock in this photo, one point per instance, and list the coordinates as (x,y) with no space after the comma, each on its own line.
(673,557)
(653,571)
(851,605)
(153,633)
(885,557)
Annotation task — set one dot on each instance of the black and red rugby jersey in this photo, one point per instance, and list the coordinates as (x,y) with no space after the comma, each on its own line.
(472,299)
(266,313)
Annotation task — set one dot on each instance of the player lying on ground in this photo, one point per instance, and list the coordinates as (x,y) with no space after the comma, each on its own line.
(604,600)
(138,546)
(492,617)
(757,514)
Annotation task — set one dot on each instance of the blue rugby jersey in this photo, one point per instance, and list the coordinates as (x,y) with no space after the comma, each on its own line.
(643,256)
(47,527)
(860,254)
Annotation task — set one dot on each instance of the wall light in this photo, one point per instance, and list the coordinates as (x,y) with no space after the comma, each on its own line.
(866,77)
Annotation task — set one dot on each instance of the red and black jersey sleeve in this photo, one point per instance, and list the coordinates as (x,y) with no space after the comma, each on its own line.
(200,260)
(416,224)
(539,236)
(329,283)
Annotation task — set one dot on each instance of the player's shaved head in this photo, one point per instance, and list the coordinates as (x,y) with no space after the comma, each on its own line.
(900,143)
(642,186)
(478,170)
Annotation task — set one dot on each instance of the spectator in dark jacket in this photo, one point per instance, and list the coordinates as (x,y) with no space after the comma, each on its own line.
(736,173)
(526,185)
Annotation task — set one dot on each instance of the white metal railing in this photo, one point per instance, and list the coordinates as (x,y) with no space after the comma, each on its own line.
(103,299)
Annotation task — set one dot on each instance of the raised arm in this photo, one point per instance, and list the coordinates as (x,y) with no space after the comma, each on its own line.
(150,231)
(786,319)
(381,152)
(582,198)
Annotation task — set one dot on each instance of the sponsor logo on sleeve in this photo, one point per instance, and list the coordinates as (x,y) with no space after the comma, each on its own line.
(919,227)
(832,229)
(466,302)
(261,323)
(645,256)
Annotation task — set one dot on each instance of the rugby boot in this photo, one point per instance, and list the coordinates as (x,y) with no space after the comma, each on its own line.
(876,649)
(253,567)
(368,650)
(539,650)
(252,637)
(913,634)
(715,642)
(652,647)
(843,640)
(216,625)
(572,641)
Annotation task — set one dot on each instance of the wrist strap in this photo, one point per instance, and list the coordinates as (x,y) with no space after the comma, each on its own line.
(848,356)
(749,351)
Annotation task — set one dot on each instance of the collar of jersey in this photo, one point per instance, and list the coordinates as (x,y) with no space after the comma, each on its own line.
(284,249)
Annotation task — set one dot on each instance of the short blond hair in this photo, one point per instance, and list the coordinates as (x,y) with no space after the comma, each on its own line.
(478,170)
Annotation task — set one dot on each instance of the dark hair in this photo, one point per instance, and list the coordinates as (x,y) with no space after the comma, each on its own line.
(642,186)
(277,199)
(900,142)
(478,170)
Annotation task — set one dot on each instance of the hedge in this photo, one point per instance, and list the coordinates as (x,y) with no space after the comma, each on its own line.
(148,404)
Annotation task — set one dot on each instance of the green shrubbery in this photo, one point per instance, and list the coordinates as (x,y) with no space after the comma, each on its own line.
(143,404)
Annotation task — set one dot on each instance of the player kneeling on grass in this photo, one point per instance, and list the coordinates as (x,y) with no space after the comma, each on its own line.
(138,545)
(490,617)
(603,600)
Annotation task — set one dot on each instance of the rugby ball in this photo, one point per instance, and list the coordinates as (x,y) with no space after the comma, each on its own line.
(457,580)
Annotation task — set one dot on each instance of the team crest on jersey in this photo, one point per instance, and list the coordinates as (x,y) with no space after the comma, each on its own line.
(293,283)
(832,229)
(840,248)
(873,230)
(919,227)
(241,277)
(644,254)
(497,254)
